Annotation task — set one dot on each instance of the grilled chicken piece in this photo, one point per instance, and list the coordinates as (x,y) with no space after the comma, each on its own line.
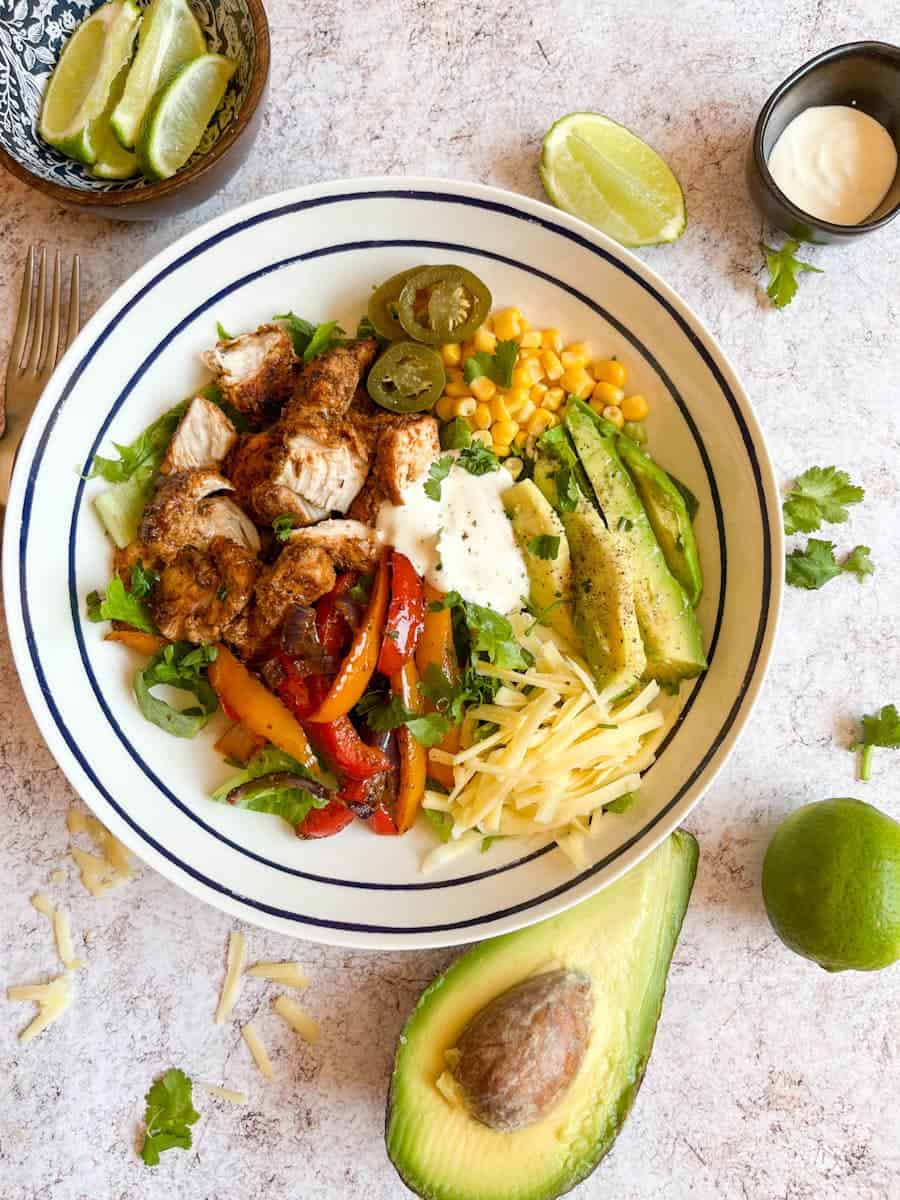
(185,512)
(315,459)
(132,554)
(255,371)
(204,438)
(304,571)
(202,591)
(326,386)
(407,446)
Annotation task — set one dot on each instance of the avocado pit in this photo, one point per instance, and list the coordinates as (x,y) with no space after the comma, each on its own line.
(518,1056)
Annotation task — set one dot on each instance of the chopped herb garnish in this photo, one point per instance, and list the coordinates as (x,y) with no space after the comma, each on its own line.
(283,525)
(169,1115)
(180,665)
(118,604)
(624,524)
(814,565)
(879,729)
(440,822)
(436,476)
(544,546)
(819,494)
(497,367)
(784,268)
(224,335)
(478,460)
(428,729)
(310,340)
(361,590)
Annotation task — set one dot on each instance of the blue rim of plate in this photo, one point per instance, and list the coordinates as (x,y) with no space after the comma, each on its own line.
(439,197)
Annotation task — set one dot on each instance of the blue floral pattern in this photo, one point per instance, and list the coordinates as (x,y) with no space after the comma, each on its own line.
(32,35)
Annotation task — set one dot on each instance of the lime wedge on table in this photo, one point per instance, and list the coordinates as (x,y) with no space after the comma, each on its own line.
(179,114)
(170,37)
(113,160)
(601,172)
(79,88)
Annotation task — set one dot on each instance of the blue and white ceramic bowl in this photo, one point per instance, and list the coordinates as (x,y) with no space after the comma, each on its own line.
(32,36)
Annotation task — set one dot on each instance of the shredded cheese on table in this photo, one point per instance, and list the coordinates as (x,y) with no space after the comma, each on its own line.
(258,1050)
(224,1093)
(109,869)
(237,946)
(62,930)
(299,1020)
(556,751)
(291,974)
(53,999)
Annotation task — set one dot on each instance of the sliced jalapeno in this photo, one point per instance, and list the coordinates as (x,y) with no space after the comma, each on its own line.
(382,308)
(407,378)
(443,304)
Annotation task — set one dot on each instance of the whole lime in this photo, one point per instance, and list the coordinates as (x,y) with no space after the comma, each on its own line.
(831,885)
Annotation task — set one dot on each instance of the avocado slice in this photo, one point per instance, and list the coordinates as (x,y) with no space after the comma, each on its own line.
(666,508)
(622,940)
(549,579)
(671,633)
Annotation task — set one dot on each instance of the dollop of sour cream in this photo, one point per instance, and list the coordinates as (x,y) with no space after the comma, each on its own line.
(463,542)
(834,162)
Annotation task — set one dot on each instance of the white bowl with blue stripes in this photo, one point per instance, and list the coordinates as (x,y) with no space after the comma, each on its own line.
(318,251)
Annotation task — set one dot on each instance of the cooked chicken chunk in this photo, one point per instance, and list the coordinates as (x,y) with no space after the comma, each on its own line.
(315,459)
(255,371)
(203,438)
(201,591)
(407,446)
(185,512)
(326,386)
(351,545)
(129,556)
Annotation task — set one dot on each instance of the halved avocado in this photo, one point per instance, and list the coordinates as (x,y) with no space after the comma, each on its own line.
(622,941)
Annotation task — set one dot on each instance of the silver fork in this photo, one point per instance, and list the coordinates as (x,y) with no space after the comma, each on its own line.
(36,349)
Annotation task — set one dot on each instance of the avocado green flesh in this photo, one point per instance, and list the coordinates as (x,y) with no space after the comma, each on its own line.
(549,579)
(667,512)
(673,639)
(623,938)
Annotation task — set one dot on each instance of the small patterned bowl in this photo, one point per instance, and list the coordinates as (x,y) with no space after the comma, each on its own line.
(31,40)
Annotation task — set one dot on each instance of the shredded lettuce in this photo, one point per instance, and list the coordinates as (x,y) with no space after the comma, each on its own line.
(180,665)
(292,804)
(119,604)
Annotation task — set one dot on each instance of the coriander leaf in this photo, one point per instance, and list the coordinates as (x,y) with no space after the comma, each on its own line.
(567,490)
(456,434)
(544,546)
(146,451)
(478,460)
(183,666)
(283,525)
(784,267)
(300,331)
(436,476)
(440,822)
(879,729)
(325,337)
(428,730)
(493,635)
(365,330)
(120,605)
(143,580)
(169,1114)
(446,697)
(858,563)
(497,367)
(819,494)
(813,566)
(224,335)
(488,841)
(361,590)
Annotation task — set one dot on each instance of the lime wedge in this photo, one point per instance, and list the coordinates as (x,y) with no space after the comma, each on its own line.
(170,37)
(113,160)
(180,112)
(79,87)
(601,172)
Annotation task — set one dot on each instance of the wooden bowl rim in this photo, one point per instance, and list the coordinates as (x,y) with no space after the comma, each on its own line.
(167,187)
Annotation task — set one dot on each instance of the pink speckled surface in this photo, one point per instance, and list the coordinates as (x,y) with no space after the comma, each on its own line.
(770,1080)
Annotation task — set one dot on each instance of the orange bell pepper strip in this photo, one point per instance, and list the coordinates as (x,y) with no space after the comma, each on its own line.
(413,755)
(145,643)
(244,696)
(358,666)
(436,649)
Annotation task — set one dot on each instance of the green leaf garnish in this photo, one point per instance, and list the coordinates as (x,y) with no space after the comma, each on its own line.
(428,729)
(436,476)
(819,494)
(784,267)
(497,366)
(545,546)
(879,729)
(310,340)
(224,335)
(814,565)
(440,822)
(169,1115)
(478,460)
(180,665)
(118,604)
(283,525)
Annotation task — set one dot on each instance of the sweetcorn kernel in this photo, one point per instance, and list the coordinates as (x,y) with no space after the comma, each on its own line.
(530,340)
(499,410)
(554,399)
(457,388)
(537,393)
(520,439)
(508,324)
(504,431)
(540,421)
(635,408)
(464,406)
(500,449)
(554,420)
(482,388)
(605,393)
(484,341)
(524,324)
(529,352)
(446,408)
(553,368)
(551,339)
(610,370)
(451,353)
(578,354)
(613,414)
(483,436)
(515,398)
(523,413)
(577,382)
(515,466)
(481,417)
(455,375)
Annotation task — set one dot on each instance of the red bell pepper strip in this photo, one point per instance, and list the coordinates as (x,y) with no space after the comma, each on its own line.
(382,822)
(331,625)
(345,751)
(358,667)
(405,616)
(436,648)
(413,756)
(324,822)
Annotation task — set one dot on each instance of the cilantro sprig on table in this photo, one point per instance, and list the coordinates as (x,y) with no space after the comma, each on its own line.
(878,729)
(822,494)
(169,1116)
(784,269)
(813,565)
